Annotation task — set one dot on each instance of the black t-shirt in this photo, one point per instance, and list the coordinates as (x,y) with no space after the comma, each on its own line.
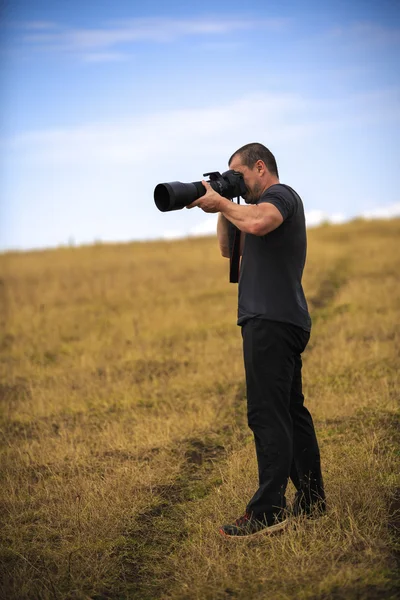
(272,265)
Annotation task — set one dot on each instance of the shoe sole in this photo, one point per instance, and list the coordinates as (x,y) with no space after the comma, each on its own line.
(266,531)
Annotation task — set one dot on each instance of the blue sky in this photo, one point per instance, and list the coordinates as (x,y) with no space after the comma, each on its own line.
(102,100)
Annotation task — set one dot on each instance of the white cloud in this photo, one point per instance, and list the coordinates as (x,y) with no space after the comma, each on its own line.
(383,212)
(106,37)
(158,30)
(173,234)
(130,141)
(286,118)
(204,227)
(317,217)
(207,227)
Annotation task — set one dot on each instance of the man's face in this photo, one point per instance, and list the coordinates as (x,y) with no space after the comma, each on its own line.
(251,180)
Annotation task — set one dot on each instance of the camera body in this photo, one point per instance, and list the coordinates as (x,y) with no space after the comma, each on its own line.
(176,195)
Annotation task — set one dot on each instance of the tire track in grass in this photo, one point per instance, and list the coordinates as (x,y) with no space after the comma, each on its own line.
(158,531)
(329,287)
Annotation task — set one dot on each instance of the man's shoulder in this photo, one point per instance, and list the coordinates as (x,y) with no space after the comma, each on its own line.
(279,189)
(286,199)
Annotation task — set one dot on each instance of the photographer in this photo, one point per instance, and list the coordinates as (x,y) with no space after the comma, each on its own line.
(275,323)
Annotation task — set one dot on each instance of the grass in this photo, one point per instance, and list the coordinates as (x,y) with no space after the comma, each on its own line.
(123,424)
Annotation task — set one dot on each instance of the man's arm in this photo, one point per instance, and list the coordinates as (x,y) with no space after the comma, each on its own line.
(223,236)
(257,219)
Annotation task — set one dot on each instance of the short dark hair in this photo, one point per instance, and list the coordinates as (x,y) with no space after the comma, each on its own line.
(251,153)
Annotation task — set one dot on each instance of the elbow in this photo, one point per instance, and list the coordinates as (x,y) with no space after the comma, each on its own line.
(260,228)
(257,229)
(224,251)
(253,229)
(224,247)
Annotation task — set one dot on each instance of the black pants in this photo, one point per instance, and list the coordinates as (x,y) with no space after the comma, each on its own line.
(286,444)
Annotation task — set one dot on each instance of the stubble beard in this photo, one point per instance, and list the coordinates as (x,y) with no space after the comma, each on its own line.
(253,196)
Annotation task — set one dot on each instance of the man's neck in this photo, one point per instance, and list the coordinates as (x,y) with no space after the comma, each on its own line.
(271,181)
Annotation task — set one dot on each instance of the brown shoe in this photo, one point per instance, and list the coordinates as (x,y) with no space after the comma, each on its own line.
(247,526)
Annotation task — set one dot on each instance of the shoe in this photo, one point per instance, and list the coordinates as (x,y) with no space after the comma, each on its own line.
(311,510)
(247,526)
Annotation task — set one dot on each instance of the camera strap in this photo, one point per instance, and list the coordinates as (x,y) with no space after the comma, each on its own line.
(234,258)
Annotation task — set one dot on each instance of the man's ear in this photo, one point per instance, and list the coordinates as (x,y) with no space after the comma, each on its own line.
(260,167)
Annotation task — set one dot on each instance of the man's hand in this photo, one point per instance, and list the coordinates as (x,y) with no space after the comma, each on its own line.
(210,202)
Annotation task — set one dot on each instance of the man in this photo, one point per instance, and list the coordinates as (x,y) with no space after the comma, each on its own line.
(276,326)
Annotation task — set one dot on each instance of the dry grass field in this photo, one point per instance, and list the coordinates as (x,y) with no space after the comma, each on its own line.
(124,442)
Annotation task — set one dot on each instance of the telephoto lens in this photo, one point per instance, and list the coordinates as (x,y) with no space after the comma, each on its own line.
(176,195)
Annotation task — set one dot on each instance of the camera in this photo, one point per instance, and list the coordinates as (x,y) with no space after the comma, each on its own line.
(176,195)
